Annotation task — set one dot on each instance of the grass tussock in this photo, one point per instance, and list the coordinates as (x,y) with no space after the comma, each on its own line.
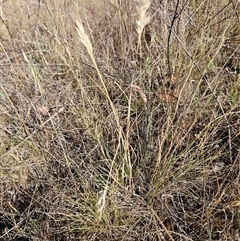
(119,120)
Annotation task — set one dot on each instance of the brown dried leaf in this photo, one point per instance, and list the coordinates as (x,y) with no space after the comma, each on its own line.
(43,110)
(166,96)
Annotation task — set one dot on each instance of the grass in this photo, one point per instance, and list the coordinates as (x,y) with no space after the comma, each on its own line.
(119,120)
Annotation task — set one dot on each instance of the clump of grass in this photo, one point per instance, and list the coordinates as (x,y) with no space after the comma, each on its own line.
(97,147)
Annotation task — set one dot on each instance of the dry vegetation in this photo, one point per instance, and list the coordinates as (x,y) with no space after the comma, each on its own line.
(119,120)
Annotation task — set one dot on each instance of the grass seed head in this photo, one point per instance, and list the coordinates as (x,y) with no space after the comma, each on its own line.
(83,36)
(143,19)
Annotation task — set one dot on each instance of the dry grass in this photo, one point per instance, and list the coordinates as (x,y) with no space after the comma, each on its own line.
(142,19)
(119,120)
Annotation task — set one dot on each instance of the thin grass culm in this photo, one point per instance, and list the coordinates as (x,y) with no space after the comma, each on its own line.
(143,19)
(87,44)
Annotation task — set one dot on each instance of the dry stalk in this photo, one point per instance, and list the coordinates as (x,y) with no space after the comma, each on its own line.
(87,44)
